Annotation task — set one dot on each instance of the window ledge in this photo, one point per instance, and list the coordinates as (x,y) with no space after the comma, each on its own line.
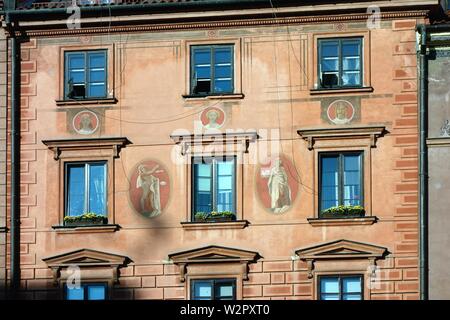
(87,229)
(438,142)
(239,224)
(230,96)
(340,90)
(325,222)
(3,229)
(75,102)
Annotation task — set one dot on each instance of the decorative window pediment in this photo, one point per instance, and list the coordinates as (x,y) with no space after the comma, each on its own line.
(371,133)
(214,254)
(339,250)
(109,144)
(87,258)
(192,143)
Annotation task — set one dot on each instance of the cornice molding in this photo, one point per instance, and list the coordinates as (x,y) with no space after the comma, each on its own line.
(218,24)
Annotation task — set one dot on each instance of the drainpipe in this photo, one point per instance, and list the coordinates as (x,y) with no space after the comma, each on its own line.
(15,154)
(423,163)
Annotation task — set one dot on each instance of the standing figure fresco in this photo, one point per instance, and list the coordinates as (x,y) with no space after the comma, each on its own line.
(276,184)
(279,190)
(149,188)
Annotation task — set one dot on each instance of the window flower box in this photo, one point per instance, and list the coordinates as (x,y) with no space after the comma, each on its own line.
(342,212)
(87,219)
(215,216)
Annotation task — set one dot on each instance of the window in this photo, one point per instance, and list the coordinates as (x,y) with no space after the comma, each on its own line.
(86,292)
(212,69)
(85,188)
(85,74)
(341,288)
(214,184)
(340,62)
(224,289)
(340,180)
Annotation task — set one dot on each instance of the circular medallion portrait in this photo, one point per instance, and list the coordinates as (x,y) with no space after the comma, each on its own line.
(85,122)
(212,118)
(276,184)
(341,112)
(149,188)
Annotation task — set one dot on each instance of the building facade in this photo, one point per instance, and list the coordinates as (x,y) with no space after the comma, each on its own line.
(219,151)
(436,62)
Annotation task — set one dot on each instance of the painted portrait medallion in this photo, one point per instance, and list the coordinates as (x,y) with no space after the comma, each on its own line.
(212,118)
(341,112)
(276,184)
(149,188)
(85,122)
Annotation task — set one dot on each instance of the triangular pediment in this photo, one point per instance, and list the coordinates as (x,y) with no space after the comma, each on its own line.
(341,249)
(213,254)
(86,257)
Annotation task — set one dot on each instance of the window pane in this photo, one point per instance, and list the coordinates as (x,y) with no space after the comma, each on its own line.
(225,185)
(97,75)
(223,86)
(202,290)
(351,285)
(329,297)
(351,78)
(223,55)
(352,297)
(75,293)
(352,180)
(202,187)
(202,56)
(96,292)
(97,186)
(226,290)
(76,190)
(330,48)
(97,60)
(202,72)
(77,76)
(329,285)
(351,64)
(330,64)
(76,60)
(329,182)
(223,71)
(351,48)
(97,90)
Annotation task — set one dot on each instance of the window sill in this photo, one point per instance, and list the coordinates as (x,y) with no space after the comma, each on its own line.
(239,224)
(104,228)
(340,90)
(230,96)
(77,102)
(438,142)
(3,229)
(325,222)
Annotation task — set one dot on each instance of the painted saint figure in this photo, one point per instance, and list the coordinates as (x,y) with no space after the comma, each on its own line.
(279,190)
(150,200)
(212,116)
(341,116)
(86,126)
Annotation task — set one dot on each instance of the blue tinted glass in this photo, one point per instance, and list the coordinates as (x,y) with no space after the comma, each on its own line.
(223,86)
(330,64)
(329,182)
(329,285)
(96,292)
(351,78)
(351,285)
(330,48)
(222,72)
(223,55)
(352,180)
(350,48)
(225,185)
(77,76)
(97,90)
(329,297)
(97,60)
(97,75)
(352,297)
(75,293)
(76,190)
(351,64)
(203,72)
(225,291)
(203,187)
(202,56)
(203,290)
(76,60)
(97,188)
